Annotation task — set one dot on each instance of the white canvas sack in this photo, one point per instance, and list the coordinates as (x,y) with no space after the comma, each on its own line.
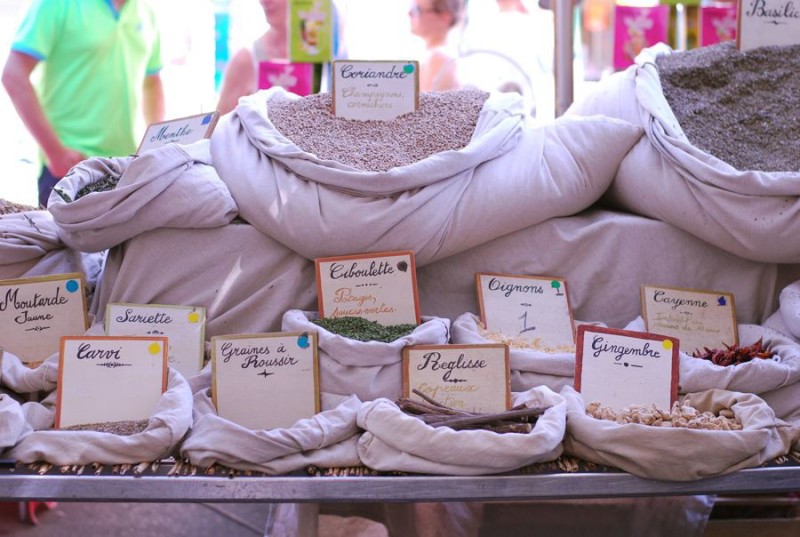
(396,441)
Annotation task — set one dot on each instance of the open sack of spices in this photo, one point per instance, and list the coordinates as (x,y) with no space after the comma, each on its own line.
(112,443)
(704,434)
(763,360)
(30,246)
(102,202)
(361,357)
(326,440)
(420,437)
(720,157)
(302,176)
(532,363)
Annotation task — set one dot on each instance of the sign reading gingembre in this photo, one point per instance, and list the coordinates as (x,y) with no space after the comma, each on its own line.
(36,312)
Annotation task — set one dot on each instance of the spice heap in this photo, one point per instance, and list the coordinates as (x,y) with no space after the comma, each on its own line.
(735,355)
(680,416)
(362,329)
(119,428)
(9,207)
(104,184)
(444,121)
(737,106)
(519,419)
(520,342)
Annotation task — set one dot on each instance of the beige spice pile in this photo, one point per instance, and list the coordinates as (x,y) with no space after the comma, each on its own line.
(9,207)
(444,121)
(741,107)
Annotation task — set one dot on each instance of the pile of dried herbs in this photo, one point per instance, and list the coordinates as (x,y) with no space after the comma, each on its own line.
(104,184)
(363,329)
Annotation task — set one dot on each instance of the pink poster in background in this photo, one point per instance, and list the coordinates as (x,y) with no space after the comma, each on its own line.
(717,24)
(294,77)
(635,29)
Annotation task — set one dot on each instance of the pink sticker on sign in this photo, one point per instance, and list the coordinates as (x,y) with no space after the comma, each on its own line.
(293,77)
(635,29)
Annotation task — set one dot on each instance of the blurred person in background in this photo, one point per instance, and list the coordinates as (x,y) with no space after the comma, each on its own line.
(100,63)
(436,22)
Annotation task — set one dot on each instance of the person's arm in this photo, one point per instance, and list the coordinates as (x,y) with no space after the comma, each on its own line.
(153,101)
(16,80)
(239,80)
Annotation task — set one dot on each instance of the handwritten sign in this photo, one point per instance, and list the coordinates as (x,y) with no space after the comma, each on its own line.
(380,287)
(474,378)
(107,379)
(698,318)
(311,30)
(531,307)
(620,368)
(265,381)
(297,78)
(185,130)
(36,312)
(184,326)
(764,23)
(379,90)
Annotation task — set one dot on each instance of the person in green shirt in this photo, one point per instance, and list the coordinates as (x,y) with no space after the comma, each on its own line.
(100,63)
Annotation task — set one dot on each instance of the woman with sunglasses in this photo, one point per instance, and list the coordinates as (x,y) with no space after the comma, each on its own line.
(434,21)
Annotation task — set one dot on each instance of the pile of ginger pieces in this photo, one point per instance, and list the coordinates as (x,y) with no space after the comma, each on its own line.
(681,415)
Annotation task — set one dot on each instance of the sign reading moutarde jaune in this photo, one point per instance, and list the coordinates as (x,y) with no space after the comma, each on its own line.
(36,312)
(265,381)
(375,90)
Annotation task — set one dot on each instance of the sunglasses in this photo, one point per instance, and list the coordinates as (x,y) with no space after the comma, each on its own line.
(416,11)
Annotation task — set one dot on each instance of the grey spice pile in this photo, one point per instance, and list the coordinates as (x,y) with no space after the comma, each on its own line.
(444,121)
(741,107)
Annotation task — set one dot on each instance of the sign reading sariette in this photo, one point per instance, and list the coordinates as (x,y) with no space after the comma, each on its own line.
(376,90)
(531,307)
(185,130)
(474,378)
(620,368)
(105,379)
(265,381)
(697,318)
(36,312)
(764,23)
(380,287)
(184,326)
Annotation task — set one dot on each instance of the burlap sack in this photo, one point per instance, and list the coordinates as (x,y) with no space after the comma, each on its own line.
(171,186)
(756,376)
(19,378)
(786,318)
(30,246)
(395,441)
(529,367)
(326,440)
(511,175)
(749,213)
(366,369)
(12,421)
(169,422)
(680,454)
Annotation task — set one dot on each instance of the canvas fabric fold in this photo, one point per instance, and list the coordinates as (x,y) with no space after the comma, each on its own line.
(396,441)
(168,423)
(172,186)
(367,369)
(328,439)
(675,453)
(750,213)
(511,175)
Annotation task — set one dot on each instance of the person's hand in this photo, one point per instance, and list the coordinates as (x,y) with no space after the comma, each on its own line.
(60,163)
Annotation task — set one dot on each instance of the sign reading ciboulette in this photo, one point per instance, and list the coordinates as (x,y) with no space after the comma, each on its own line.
(36,312)
(380,287)
(106,379)
(764,23)
(184,326)
(265,381)
(697,318)
(473,378)
(375,90)
(530,307)
(621,368)
(185,130)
